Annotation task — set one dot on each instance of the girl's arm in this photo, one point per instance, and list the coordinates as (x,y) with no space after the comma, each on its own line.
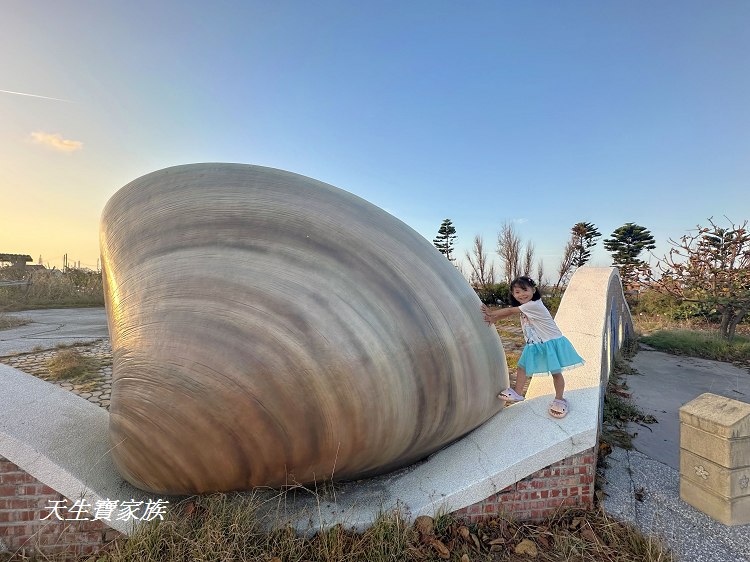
(491,316)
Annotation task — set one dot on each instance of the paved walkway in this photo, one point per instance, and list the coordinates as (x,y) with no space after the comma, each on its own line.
(664,384)
(642,485)
(49,328)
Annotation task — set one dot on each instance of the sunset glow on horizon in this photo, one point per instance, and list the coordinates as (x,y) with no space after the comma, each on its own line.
(541,114)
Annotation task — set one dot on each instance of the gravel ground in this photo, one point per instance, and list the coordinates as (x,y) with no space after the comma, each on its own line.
(646,493)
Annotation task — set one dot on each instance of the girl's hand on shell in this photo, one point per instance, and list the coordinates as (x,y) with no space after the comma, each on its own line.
(487,315)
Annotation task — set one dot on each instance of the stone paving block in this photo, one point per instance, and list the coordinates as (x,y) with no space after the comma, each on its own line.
(715,457)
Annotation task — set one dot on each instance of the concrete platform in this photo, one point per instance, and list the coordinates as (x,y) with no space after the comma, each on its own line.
(60,439)
(43,427)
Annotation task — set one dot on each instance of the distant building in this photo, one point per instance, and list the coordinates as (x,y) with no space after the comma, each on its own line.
(15,260)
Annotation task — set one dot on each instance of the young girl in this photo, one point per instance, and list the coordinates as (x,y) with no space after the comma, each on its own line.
(546,349)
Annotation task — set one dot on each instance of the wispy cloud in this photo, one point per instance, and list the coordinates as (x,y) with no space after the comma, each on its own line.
(56,142)
(33,96)
(520,221)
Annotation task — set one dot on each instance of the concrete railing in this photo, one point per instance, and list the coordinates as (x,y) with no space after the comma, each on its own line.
(62,439)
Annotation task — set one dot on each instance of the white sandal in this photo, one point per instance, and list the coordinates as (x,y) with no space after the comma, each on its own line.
(510,395)
(558,408)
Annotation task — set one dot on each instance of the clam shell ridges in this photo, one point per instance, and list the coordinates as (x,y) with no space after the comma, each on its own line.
(270,329)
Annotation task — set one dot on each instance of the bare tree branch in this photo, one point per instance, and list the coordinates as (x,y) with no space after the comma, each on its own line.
(566,267)
(711,267)
(528,259)
(509,250)
(540,275)
(482,271)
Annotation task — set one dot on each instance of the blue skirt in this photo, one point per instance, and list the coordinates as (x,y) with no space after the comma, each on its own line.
(553,356)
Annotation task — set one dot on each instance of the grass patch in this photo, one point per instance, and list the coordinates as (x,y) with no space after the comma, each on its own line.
(707,345)
(7,321)
(512,359)
(70,365)
(232,527)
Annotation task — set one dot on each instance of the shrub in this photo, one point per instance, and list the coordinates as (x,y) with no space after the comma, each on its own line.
(499,293)
(654,303)
(52,288)
(552,303)
(7,322)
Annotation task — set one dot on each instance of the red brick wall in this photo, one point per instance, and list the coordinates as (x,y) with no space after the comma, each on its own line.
(567,483)
(24,501)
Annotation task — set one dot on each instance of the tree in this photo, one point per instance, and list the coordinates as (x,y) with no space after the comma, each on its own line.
(626,245)
(444,240)
(482,271)
(576,253)
(540,275)
(565,268)
(584,235)
(509,250)
(528,259)
(711,267)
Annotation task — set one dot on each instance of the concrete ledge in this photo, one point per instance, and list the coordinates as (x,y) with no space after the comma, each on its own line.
(62,439)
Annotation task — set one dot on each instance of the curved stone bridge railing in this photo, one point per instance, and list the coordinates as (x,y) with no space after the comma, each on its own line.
(522,460)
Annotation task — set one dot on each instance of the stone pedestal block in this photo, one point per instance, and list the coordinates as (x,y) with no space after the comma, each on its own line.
(715,457)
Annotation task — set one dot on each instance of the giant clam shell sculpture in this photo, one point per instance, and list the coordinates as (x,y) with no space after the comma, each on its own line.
(269,329)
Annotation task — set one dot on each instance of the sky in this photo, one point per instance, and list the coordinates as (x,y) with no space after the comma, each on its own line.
(538,113)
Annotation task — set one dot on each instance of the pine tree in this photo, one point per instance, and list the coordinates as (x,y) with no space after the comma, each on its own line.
(626,244)
(576,253)
(444,240)
(584,235)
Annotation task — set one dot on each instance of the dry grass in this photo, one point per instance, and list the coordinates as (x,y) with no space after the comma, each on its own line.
(71,365)
(48,289)
(231,527)
(619,410)
(647,324)
(509,330)
(7,321)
